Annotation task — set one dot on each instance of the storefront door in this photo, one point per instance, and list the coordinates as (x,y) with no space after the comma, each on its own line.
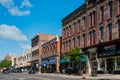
(110,65)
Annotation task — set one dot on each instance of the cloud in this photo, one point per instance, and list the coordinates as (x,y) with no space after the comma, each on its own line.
(12,32)
(12,9)
(25,46)
(26,3)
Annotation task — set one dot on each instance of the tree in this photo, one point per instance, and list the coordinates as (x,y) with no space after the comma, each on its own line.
(5,64)
(75,56)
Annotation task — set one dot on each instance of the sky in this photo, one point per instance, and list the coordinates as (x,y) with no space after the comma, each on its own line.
(20,20)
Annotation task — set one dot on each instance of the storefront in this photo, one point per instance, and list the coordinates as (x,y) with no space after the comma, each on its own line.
(92,63)
(109,58)
(48,65)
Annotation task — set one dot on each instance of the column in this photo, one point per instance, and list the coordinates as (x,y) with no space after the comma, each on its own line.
(105,64)
(115,63)
(98,61)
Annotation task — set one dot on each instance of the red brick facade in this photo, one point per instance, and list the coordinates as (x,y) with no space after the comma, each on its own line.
(88,19)
(51,51)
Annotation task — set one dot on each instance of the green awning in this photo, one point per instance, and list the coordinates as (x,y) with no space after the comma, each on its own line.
(64,60)
(82,59)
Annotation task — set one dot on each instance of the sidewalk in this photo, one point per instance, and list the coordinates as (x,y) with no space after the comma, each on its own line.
(99,76)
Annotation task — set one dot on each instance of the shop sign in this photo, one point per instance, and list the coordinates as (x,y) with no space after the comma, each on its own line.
(92,49)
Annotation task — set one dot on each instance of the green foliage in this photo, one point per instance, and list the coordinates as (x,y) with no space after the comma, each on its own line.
(5,63)
(75,54)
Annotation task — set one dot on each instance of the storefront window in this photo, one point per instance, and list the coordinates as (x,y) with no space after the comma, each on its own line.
(93,56)
(118,62)
(102,64)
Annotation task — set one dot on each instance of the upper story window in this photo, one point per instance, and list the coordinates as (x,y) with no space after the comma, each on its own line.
(84,22)
(102,33)
(74,42)
(90,19)
(78,25)
(70,44)
(70,29)
(118,6)
(67,32)
(94,19)
(90,37)
(102,13)
(94,37)
(74,27)
(78,40)
(119,24)
(110,31)
(111,8)
(84,38)
(66,45)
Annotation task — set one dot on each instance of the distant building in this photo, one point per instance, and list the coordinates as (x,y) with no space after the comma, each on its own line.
(36,48)
(24,60)
(8,57)
(51,55)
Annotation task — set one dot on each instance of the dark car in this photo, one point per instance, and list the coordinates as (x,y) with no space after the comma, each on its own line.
(31,71)
(5,71)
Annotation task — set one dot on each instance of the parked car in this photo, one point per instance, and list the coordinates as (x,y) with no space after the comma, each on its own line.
(31,71)
(5,71)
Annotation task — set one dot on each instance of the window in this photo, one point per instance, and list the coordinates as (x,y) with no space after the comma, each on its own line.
(119,27)
(94,14)
(90,38)
(84,37)
(70,29)
(67,32)
(118,7)
(78,40)
(102,33)
(119,24)
(74,42)
(110,8)
(66,46)
(74,27)
(110,31)
(118,62)
(69,44)
(84,19)
(102,13)
(102,64)
(94,36)
(91,19)
(78,25)
(64,33)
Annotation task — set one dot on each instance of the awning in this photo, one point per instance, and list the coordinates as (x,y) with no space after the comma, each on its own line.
(81,59)
(43,64)
(51,62)
(109,53)
(64,60)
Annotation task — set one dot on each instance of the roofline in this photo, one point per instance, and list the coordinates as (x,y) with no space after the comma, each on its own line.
(78,9)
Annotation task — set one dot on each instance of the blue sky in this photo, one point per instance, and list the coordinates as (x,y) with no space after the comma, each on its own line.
(20,20)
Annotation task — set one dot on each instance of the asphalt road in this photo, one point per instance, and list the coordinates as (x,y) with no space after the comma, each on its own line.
(22,76)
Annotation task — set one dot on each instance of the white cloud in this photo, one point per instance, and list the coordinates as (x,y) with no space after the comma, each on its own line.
(12,9)
(25,46)
(12,32)
(15,11)
(26,3)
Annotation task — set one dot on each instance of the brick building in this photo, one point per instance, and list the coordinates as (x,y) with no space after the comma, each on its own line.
(51,55)
(95,28)
(36,48)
